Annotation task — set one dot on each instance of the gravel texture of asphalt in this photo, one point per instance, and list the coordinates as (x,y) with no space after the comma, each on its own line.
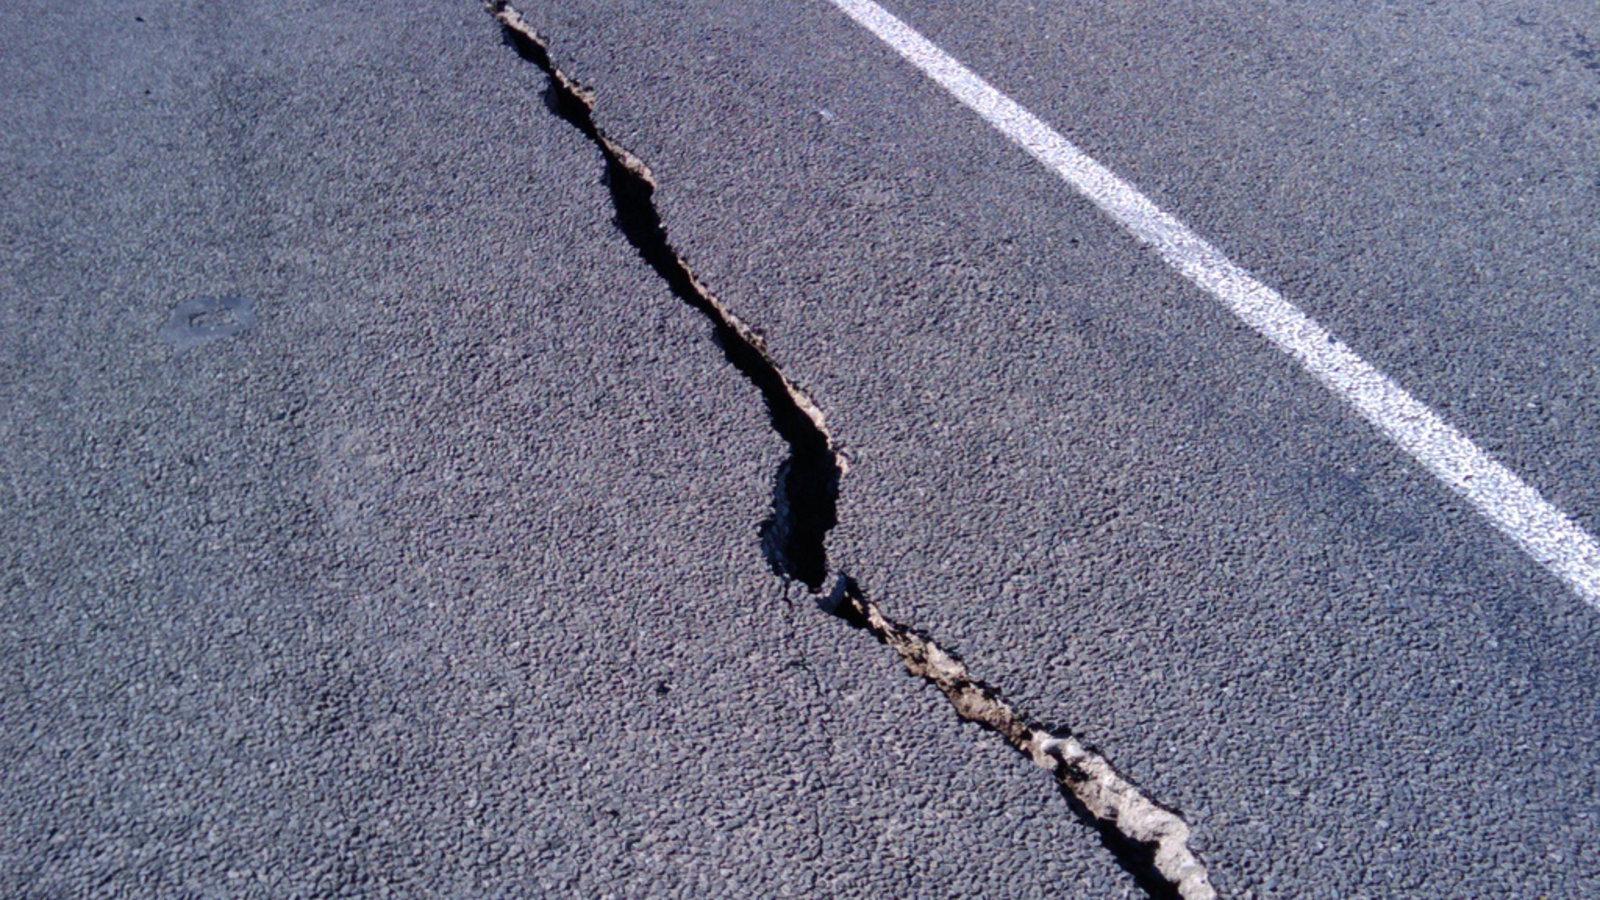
(380,521)
(1125,509)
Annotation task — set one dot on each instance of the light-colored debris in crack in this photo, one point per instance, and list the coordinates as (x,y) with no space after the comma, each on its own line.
(1088,776)
(1110,799)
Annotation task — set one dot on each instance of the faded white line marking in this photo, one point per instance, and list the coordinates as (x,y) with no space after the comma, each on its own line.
(1544,532)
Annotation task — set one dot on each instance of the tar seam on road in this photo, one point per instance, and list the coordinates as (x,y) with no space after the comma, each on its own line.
(1148,839)
(1544,532)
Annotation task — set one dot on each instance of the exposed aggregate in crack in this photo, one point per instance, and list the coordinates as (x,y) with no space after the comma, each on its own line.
(1148,839)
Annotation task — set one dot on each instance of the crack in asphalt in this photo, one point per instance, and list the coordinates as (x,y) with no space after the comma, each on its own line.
(806,490)
(1147,839)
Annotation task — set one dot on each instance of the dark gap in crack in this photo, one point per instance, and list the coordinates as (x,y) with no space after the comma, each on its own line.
(1146,839)
(806,488)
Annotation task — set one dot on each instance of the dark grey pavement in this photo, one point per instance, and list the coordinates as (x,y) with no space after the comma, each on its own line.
(442,578)
(1123,507)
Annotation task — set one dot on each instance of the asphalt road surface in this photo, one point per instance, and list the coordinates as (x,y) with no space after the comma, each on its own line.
(378,521)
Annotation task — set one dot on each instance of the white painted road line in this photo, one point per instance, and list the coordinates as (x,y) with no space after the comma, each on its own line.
(1544,532)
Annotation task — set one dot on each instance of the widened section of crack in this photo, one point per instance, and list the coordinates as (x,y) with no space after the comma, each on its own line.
(806,490)
(1150,840)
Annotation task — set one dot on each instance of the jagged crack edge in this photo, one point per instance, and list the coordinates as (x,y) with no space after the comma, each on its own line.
(1150,840)
(804,509)
(806,488)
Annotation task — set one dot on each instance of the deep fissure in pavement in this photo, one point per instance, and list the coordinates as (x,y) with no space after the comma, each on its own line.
(1148,840)
(806,489)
